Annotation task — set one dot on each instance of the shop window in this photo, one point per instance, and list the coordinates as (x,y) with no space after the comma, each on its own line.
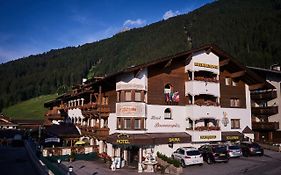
(235,123)
(138,96)
(128,96)
(227,81)
(137,123)
(127,123)
(167,114)
(234,102)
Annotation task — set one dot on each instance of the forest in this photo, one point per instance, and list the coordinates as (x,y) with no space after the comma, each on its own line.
(249,30)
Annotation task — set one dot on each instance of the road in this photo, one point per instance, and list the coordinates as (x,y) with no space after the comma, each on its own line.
(15,161)
(270,164)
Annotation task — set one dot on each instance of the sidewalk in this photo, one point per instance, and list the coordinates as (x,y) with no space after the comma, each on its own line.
(81,167)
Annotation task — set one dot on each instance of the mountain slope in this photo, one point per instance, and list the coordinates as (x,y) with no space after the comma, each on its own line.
(248,30)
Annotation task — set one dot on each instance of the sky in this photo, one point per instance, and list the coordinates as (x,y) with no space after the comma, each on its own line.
(29,27)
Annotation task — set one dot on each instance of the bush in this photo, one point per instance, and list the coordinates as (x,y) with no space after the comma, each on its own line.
(174,162)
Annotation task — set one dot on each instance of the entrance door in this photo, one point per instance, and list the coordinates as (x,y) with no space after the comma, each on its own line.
(133,156)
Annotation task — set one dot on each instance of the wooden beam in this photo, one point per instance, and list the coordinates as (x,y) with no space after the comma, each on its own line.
(168,63)
(256,86)
(224,62)
(238,74)
(208,51)
(137,72)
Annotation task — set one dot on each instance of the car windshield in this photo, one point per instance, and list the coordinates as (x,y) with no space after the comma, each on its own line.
(193,153)
(234,147)
(254,145)
(219,149)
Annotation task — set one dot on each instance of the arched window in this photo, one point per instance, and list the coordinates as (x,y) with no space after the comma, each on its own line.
(167,113)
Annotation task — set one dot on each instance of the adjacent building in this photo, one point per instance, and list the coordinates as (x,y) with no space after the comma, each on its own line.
(266,106)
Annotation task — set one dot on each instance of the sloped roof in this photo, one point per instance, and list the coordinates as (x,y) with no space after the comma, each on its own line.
(247,130)
(63,130)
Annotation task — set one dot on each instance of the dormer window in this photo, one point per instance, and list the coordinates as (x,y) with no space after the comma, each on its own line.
(227,81)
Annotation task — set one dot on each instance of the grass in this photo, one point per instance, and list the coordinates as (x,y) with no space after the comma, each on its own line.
(30,109)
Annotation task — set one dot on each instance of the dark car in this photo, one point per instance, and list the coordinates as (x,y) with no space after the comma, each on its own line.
(251,149)
(214,153)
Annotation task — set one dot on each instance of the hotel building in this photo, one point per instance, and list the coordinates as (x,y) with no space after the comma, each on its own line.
(188,99)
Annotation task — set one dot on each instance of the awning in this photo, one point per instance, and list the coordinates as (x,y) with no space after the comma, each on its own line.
(231,136)
(129,139)
(122,139)
(165,138)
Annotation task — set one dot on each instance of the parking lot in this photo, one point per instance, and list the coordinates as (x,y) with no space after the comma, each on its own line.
(269,164)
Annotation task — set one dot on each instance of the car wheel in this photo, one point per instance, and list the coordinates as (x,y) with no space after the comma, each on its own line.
(183,163)
(209,160)
(200,164)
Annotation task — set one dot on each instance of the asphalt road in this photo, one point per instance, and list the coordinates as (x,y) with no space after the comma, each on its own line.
(270,164)
(15,161)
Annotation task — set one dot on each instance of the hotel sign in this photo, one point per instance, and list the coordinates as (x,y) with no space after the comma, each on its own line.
(210,66)
(123,139)
(130,109)
(208,137)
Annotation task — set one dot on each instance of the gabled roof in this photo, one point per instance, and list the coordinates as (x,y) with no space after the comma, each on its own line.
(63,130)
(227,62)
(247,130)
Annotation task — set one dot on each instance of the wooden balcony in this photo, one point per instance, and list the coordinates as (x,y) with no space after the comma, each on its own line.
(265,111)
(100,133)
(268,126)
(264,95)
(207,79)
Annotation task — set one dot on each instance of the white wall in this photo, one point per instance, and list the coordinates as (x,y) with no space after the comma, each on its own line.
(128,81)
(196,112)
(201,87)
(156,122)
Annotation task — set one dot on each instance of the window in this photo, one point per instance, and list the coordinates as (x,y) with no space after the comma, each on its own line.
(234,102)
(227,81)
(119,123)
(128,96)
(118,96)
(167,114)
(127,123)
(137,123)
(235,123)
(234,83)
(138,96)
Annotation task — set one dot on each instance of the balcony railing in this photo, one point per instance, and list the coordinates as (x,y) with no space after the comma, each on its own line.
(207,128)
(265,95)
(265,111)
(265,125)
(100,133)
(211,79)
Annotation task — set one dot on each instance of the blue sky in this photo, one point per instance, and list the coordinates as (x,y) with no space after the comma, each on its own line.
(35,26)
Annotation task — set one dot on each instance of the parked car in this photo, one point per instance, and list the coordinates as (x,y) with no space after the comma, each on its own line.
(251,149)
(214,153)
(234,150)
(188,156)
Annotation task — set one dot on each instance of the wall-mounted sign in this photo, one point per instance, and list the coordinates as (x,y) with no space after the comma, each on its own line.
(123,139)
(174,139)
(208,137)
(225,120)
(232,138)
(130,109)
(159,125)
(52,139)
(211,66)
